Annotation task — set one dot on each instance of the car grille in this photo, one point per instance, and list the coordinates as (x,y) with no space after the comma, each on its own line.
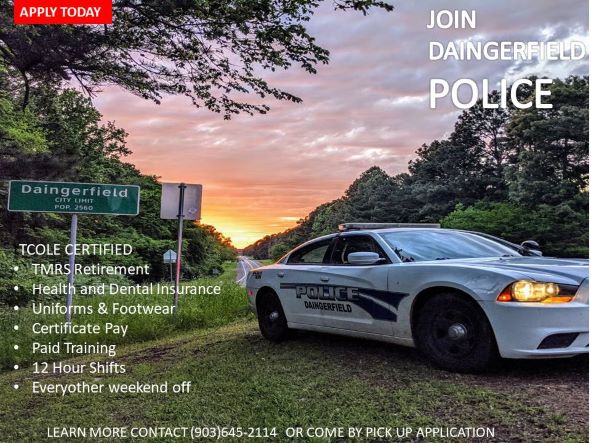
(558,341)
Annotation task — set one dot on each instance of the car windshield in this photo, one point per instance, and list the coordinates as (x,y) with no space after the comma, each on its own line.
(422,245)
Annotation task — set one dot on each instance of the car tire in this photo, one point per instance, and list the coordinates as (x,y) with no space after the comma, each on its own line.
(454,334)
(272,321)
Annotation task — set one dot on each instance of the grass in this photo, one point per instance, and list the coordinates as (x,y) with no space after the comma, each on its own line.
(194,312)
(313,380)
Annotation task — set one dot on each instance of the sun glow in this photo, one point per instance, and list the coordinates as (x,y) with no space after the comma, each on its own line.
(246,227)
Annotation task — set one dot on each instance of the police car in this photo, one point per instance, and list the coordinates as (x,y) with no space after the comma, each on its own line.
(463,298)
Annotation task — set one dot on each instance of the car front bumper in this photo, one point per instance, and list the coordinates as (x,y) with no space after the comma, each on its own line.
(520,328)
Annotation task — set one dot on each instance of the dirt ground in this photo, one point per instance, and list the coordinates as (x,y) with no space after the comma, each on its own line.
(559,386)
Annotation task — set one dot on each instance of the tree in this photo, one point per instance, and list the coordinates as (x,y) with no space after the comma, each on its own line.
(515,173)
(75,143)
(278,250)
(554,148)
(445,173)
(492,219)
(211,51)
(560,230)
(368,197)
(60,136)
(482,131)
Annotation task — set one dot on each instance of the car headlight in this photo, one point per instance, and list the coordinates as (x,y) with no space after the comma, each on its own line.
(534,291)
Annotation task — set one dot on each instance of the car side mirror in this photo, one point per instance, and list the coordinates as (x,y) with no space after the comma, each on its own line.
(532,247)
(363,258)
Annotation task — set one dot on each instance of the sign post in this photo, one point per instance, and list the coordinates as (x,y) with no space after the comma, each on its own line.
(179,245)
(72,262)
(180,201)
(73,198)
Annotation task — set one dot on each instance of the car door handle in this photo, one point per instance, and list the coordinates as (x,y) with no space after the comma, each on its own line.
(281,274)
(324,279)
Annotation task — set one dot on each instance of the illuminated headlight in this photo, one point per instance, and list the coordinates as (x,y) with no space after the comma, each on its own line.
(533,291)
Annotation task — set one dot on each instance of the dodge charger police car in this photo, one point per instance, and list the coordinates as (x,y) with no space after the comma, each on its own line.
(463,298)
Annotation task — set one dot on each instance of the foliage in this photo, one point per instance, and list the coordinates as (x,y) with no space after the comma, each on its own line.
(518,174)
(19,130)
(72,144)
(560,230)
(278,250)
(210,51)
(553,146)
(505,220)
(195,311)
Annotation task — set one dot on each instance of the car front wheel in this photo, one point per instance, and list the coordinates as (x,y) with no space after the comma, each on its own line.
(272,321)
(454,334)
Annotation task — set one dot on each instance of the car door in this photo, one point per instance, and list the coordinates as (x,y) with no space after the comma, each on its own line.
(360,290)
(300,278)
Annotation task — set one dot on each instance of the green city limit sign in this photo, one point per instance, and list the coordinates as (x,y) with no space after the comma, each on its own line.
(76,198)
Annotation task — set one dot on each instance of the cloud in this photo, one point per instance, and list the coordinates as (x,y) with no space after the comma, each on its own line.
(368,106)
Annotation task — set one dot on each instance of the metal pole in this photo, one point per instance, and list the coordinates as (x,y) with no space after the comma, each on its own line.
(170,269)
(72,262)
(179,244)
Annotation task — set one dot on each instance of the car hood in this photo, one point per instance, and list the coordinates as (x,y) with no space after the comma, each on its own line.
(560,270)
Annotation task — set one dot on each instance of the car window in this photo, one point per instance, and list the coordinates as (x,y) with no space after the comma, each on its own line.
(345,245)
(423,245)
(311,254)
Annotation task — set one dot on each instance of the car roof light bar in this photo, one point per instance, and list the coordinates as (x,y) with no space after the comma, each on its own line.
(363,226)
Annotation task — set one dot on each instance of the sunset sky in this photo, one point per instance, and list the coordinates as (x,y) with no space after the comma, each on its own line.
(368,107)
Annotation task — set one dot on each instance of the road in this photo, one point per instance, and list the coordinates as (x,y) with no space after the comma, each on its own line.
(245,264)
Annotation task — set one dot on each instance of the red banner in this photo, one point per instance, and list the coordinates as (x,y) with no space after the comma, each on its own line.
(63,12)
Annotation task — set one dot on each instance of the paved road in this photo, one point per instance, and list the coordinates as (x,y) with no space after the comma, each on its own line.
(245,264)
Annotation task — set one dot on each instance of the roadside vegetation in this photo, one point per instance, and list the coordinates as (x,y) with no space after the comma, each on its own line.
(61,137)
(194,312)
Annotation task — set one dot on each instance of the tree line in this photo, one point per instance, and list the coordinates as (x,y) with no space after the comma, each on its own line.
(515,173)
(60,137)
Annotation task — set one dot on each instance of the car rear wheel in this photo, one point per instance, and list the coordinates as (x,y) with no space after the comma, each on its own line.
(272,321)
(455,335)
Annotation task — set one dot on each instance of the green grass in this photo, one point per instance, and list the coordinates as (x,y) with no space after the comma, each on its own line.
(311,380)
(194,312)
(239,379)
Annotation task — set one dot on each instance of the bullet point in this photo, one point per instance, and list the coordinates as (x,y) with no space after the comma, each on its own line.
(16,327)
(15,386)
(16,288)
(15,347)
(15,268)
(16,308)
(15,367)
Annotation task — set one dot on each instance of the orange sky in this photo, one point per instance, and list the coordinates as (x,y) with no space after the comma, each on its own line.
(369,106)
(256,180)
(251,187)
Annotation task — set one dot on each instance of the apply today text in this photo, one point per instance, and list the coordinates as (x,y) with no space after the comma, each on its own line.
(59,11)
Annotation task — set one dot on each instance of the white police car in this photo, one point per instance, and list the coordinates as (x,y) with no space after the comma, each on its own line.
(462,298)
